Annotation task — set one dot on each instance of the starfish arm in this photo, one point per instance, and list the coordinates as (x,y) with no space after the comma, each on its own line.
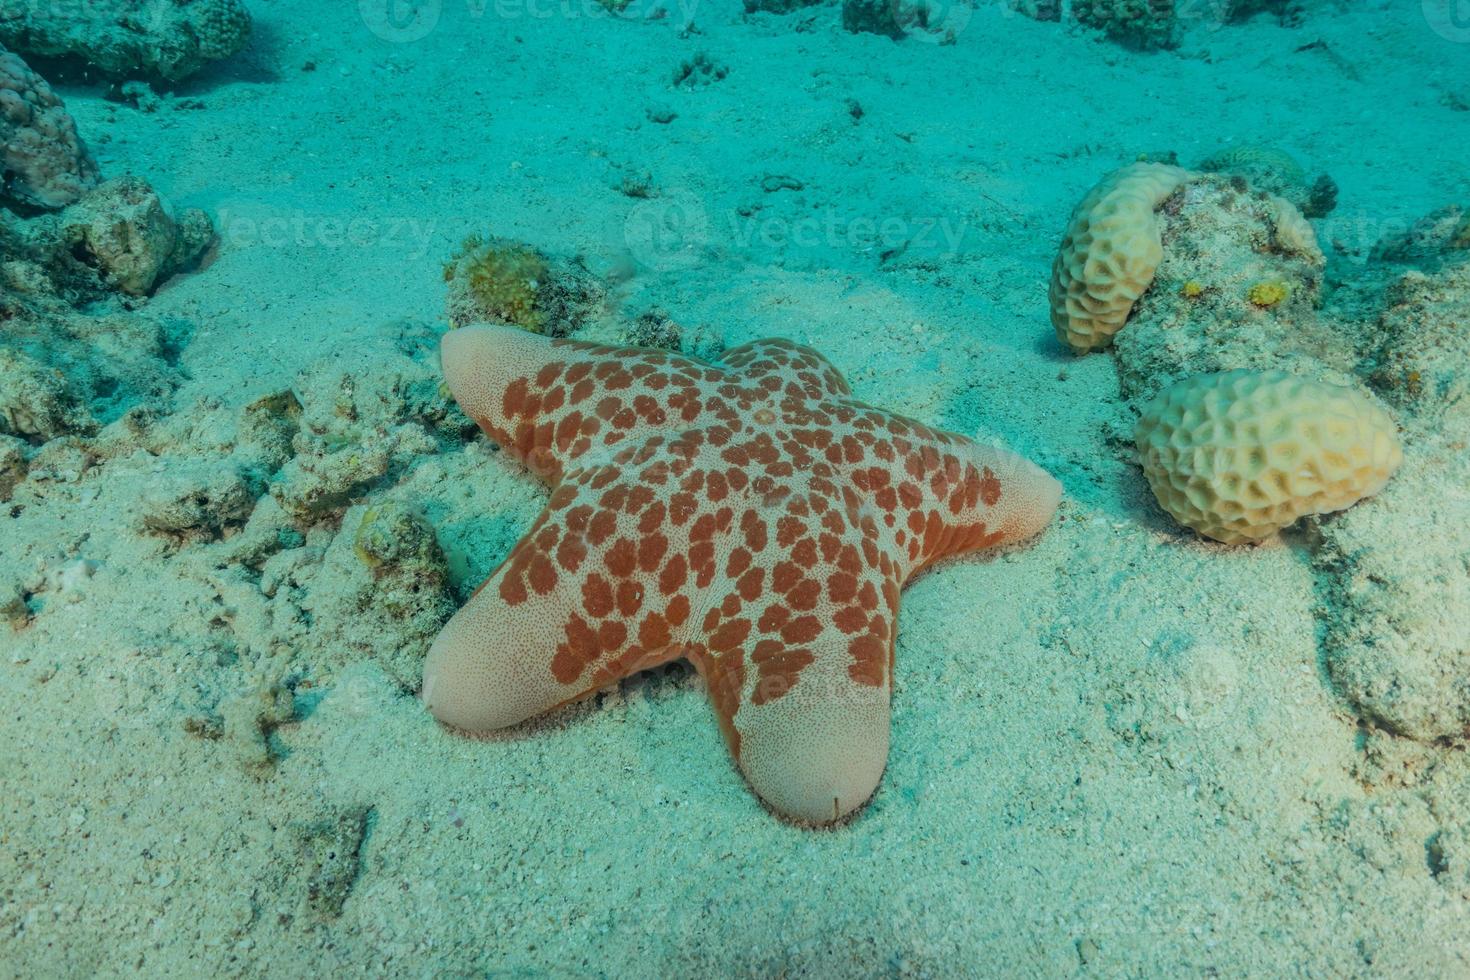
(798,655)
(761,360)
(605,584)
(970,497)
(815,754)
(535,635)
(932,494)
(488,667)
(549,402)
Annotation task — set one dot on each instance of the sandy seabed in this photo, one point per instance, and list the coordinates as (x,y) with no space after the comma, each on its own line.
(1115,752)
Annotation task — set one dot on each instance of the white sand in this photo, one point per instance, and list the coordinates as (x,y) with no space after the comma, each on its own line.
(1115,753)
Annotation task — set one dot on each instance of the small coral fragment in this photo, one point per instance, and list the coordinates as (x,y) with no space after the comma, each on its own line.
(655,328)
(1460,237)
(396,597)
(68,374)
(13,607)
(199,498)
(311,485)
(248,719)
(12,464)
(1275,171)
(1109,254)
(35,401)
(267,427)
(1239,455)
(356,422)
(1291,232)
(331,852)
(1434,239)
(1268,294)
(497,281)
(1421,358)
(698,71)
(872,17)
(394,537)
(133,238)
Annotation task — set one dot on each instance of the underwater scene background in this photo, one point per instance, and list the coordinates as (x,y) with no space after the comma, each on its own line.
(315,316)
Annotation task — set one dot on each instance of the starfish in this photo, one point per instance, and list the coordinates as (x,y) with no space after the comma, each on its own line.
(749,516)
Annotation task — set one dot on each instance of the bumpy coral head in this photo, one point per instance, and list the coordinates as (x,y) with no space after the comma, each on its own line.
(1239,455)
(1109,254)
(43,161)
(222,28)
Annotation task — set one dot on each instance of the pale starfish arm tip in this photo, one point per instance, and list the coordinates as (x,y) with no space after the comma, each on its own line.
(486,668)
(1030,499)
(479,361)
(816,755)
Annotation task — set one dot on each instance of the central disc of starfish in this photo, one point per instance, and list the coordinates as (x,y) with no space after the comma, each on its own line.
(750,516)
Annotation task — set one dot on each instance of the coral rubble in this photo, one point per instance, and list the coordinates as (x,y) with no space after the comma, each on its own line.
(1397,643)
(168,39)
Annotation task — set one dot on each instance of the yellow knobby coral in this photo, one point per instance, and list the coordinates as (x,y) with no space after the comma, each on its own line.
(497,282)
(1192,290)
(1268,294)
